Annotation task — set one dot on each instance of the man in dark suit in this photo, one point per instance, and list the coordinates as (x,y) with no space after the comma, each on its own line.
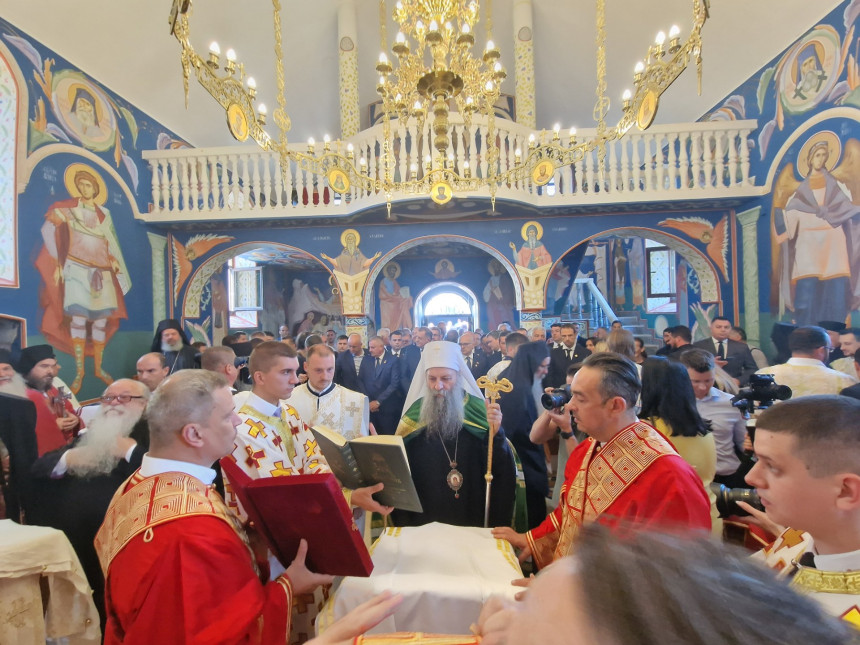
(733,356)
(854,390)
(347,364)
(410,355)
(492,348)
(563,357)
(379,375)
(475,359)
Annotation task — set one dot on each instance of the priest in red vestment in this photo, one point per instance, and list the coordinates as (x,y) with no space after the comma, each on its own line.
(179,567)
(56,422)
(626,475)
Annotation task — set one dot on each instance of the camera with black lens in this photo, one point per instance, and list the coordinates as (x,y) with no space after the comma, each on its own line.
(556,399)
(728,498)
(761,393)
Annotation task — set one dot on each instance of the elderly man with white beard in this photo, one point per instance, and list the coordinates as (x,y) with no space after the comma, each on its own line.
(18,447)
(445,426)
(73,486)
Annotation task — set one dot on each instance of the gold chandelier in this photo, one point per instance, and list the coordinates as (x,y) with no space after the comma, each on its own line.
(432,65)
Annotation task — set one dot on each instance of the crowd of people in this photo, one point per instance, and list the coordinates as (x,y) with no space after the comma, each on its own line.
(644,444)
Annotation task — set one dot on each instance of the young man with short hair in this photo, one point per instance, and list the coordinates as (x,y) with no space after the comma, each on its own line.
(808,478)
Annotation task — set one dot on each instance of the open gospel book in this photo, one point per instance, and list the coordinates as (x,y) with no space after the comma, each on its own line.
(286,509)
(366,461)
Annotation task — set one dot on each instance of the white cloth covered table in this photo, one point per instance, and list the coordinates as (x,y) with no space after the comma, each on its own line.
(444,572)
(28,553)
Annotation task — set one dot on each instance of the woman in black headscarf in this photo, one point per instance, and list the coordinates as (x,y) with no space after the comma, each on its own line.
(520,409)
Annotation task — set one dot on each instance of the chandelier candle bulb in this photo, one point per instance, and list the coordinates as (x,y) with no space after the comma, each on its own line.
(214,53)
(261,114)
(531,141)
(252,87)
(311,146)
(625,97)
(674,39)
(466,172)
(326,143)
(555,130)
(350,151)
(658,42)
(637,72)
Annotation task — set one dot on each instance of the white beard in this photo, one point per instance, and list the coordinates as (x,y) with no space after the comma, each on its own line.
(167,347)
(443,415)
(97,448)
(14,386)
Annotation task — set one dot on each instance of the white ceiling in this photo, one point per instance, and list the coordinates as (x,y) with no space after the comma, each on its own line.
(126,45)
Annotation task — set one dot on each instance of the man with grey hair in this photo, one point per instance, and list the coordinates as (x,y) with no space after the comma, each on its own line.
(625,475)
(73,486)
(184,532)
(445,426)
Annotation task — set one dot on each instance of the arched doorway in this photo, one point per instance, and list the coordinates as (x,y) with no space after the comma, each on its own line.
(292,288)
(485,274)
(448,302)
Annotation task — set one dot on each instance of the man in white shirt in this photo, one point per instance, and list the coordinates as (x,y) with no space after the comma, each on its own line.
(727,424)
(805,372)
(808,478)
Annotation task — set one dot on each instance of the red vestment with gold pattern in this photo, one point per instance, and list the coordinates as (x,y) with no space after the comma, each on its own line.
(635,480)
(178,569)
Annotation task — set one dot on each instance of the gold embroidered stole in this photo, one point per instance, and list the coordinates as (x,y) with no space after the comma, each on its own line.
(279,424)
(150,501)
(605,474)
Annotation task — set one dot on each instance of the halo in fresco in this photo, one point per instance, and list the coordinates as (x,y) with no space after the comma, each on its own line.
(834,146)
(69,179)
(810,70)
(83,110)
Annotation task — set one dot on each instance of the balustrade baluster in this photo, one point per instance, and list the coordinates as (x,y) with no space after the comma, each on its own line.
(733,167)
(720,166)
(635,144)
(174,185)
(612,162)
(194,191)
(684,162)
(696,159)
(709,160)
(672,182)
(745,159)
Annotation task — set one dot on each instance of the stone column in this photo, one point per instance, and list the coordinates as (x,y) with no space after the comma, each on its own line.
(158,245)
(524,63)
(749,240)
(357,325)
(531,319)
(347,32)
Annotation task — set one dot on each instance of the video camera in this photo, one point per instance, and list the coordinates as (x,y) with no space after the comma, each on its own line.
(556,399)
(761,388)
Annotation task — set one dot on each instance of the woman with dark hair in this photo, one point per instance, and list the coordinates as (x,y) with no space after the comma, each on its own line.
(669,404)
(520,409)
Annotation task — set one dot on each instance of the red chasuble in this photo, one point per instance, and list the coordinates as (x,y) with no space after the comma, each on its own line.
(178,569)
(635,480)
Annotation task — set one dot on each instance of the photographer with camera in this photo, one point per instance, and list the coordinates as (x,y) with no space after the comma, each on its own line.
(727,423)
(808,478)
(805,372)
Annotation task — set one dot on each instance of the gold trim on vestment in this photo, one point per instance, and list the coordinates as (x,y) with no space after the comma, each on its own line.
(811,579)
(151,501)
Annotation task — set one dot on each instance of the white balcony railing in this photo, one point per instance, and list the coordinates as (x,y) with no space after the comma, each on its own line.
(686,161)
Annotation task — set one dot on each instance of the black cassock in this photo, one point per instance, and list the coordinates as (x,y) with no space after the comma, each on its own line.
(18,434)
(77,505)
(430,466)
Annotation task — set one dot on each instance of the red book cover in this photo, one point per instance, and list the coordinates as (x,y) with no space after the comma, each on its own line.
(286,509)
